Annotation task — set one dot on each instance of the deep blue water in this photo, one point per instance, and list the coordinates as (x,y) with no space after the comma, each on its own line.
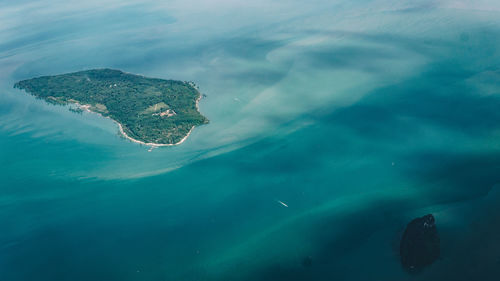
(359,115)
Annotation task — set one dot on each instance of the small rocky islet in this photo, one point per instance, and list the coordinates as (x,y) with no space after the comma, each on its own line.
(420,244)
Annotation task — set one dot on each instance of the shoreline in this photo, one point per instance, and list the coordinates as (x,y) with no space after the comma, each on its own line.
(86,107)
(152,144)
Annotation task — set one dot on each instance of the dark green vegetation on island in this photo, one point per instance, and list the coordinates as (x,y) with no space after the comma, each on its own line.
(150,110)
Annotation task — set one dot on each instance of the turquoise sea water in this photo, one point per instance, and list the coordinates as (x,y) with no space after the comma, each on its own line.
(359,115)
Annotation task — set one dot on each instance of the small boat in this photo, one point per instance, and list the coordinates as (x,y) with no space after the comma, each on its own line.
(282,203)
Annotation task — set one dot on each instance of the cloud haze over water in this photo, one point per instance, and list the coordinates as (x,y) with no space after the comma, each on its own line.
(261,64)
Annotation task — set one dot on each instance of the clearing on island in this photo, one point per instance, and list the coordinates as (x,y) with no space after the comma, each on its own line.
(148,110)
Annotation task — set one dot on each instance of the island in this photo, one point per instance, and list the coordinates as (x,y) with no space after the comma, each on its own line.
(150,111)
(420,244)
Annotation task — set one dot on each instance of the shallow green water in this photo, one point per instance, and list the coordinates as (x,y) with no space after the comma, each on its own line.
(359,116)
